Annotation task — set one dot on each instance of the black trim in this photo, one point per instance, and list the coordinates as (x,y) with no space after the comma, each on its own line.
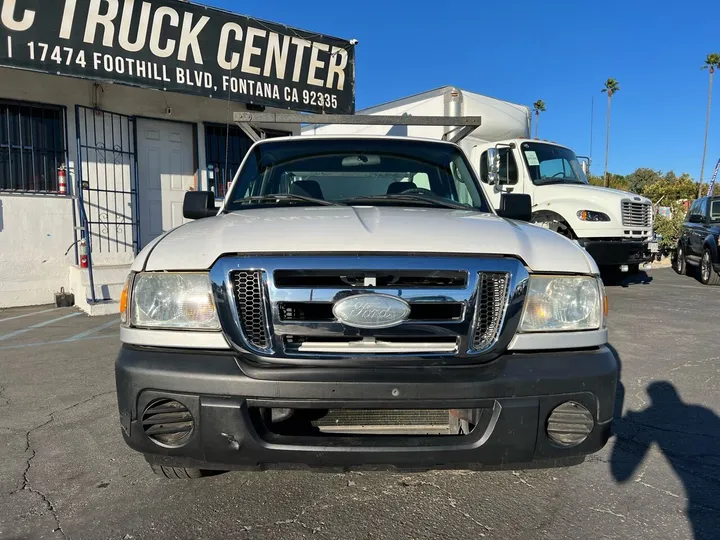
(221,389)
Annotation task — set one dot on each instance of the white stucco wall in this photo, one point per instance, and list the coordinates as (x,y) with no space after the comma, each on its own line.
(35,229)
(35,232)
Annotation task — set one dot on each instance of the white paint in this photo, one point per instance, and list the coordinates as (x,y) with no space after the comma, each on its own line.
(35,326)
(10,20)
(166,173)
(342,229)
(36,230)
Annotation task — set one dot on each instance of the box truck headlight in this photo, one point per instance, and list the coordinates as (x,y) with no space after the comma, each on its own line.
(173,301)
(591,215)
(563,303)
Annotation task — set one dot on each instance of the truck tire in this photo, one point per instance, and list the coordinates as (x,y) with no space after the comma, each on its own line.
(178,473)
(554,222)
(708,276)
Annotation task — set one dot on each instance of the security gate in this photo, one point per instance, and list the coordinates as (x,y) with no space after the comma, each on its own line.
(107,184)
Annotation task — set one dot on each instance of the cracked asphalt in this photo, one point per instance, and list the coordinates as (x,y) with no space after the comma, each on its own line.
(65,472)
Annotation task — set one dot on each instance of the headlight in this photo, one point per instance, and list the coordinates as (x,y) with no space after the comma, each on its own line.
(556,304)
(590,215)
(173,300)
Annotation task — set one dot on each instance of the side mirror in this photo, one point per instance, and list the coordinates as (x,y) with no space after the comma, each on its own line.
(493,166)
(199,204)
(696,218)
(515,206)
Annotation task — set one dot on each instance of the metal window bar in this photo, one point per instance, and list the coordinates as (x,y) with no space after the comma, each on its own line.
(238,145)
(109,140)
(32,146)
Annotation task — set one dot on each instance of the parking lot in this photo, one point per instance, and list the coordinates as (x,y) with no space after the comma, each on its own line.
(66,473)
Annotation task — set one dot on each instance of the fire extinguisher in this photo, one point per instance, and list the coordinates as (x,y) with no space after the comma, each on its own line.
(62,179)
(83,254)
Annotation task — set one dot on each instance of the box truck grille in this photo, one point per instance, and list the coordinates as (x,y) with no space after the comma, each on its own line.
(636,214)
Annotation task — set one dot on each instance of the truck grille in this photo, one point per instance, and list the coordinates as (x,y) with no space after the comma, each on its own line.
(251,307)
(282,307)
(492,296)
(636,214)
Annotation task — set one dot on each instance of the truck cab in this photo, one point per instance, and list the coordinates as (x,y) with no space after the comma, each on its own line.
(614,226)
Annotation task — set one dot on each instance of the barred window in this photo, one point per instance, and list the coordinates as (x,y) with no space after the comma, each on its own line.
(32,146)
(238,144)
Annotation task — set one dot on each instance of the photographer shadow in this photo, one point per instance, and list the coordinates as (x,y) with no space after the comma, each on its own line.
(687,435)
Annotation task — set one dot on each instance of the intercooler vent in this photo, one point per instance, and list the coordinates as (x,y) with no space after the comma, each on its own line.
(375,279)
(167,422)
(250,301)
(491,300)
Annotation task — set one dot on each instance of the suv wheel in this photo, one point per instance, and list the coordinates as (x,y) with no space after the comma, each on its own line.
(708,276)
(681,266)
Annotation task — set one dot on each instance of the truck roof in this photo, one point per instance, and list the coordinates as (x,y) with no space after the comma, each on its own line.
(355,136)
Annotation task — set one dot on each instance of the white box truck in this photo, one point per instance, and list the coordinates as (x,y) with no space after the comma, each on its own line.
(615,227)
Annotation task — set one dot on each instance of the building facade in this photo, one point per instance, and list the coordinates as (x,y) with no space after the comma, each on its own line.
(95,163)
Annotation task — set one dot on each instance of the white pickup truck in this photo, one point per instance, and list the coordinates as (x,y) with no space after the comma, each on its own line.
(615,227)
(333,313)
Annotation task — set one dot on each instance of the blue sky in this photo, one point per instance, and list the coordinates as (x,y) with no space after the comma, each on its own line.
(557,51)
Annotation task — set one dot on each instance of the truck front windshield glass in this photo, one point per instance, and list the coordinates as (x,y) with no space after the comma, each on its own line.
(356,171)
(550,164)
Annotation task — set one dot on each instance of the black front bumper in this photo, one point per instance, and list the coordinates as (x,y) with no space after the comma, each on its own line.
(617,252)
(518,391)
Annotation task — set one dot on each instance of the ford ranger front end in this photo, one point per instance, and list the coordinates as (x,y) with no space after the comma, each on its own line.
(357,303)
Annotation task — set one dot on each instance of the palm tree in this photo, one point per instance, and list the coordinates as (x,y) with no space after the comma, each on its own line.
(711,63)
(538,107)
(611,86)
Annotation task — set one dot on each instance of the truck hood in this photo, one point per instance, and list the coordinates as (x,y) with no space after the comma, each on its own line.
(595,194)
(340,229)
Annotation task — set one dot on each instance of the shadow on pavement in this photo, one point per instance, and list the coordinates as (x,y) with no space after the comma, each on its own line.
(617,278)
(687,435)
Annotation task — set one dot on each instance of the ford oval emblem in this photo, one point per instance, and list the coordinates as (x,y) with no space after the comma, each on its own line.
(371,310)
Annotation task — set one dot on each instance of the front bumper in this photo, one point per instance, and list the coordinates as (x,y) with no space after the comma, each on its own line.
(221,390)
(617,251)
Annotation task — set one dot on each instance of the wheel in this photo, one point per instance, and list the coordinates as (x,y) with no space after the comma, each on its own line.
(708,276)
(681,265)
(179,473)
(554,225)
(633,269)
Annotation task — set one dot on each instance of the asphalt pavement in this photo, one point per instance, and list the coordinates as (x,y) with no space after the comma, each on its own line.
(65,472)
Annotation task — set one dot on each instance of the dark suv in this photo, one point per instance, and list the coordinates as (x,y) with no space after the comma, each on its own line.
(699,240)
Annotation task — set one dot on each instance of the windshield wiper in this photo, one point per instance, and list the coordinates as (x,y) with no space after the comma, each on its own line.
(287,197)
(410,198)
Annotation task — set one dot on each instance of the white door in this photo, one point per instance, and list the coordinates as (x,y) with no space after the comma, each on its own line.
(166,172)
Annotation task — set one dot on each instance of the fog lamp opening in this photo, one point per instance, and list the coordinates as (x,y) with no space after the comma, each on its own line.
(569,424)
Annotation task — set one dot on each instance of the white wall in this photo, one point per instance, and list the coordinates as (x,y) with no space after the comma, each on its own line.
(35,230)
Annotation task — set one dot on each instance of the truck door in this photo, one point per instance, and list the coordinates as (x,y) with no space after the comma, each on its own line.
(509,176)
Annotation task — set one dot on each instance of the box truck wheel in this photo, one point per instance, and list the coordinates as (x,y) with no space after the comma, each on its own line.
(554,222)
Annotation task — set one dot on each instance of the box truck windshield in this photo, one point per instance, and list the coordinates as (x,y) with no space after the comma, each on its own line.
(551,164)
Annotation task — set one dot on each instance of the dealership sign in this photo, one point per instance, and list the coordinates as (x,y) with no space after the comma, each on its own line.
(180,47)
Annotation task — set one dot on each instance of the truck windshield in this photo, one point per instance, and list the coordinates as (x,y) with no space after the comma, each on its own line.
(551,164)
(363,171)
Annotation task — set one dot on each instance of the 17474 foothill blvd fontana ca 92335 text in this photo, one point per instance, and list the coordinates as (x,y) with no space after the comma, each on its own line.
(180,47)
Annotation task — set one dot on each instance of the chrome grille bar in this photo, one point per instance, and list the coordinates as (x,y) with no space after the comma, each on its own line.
(636,214)
(249,304)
